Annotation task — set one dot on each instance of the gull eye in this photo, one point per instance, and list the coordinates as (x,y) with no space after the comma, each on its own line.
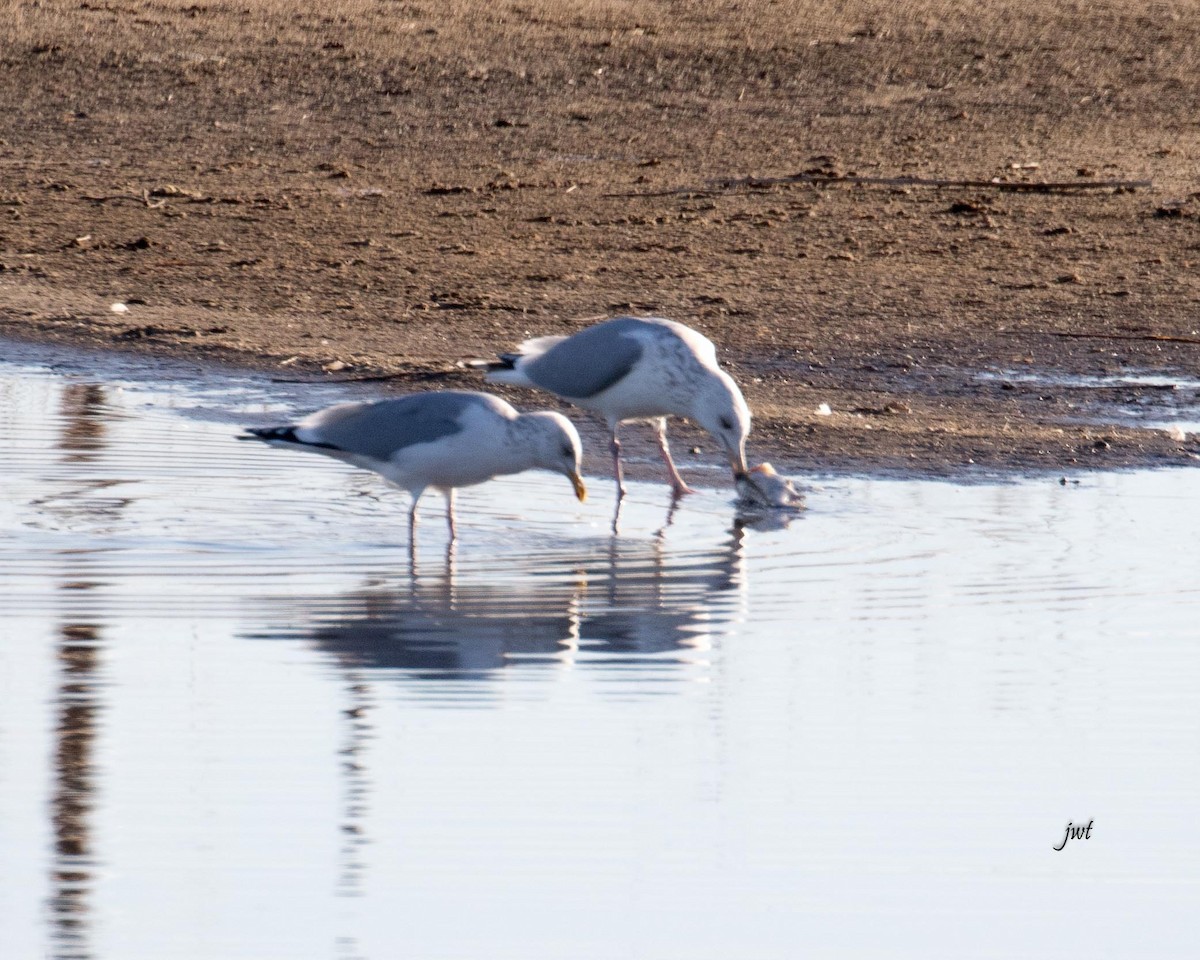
(567,451)
(726,424)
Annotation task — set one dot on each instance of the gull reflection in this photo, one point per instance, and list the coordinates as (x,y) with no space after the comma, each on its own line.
(608,602)
(746,516)
(356,785)
(764,520)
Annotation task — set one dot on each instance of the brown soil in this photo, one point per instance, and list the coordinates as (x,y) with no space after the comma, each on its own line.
(387,187)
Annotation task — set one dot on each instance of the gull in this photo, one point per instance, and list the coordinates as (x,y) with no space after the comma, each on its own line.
(443,439)
(632,368)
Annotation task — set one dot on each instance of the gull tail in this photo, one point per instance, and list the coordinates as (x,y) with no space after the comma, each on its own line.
(508,370)
(505,362)
(507,367)
(268,434)
(281,435)
(501,370)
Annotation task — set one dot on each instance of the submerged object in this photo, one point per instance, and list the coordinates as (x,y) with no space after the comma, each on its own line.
(763,487)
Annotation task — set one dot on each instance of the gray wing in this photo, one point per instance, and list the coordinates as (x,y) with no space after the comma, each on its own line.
(589,362)
(379,430)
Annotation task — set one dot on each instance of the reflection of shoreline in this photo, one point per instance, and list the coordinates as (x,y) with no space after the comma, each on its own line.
(623,602)
(82,440)
(71,804)
(83,407)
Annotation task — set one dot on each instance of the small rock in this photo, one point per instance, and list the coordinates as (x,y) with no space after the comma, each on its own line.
(119,308)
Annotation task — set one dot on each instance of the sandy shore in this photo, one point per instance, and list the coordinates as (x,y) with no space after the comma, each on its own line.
(379,190)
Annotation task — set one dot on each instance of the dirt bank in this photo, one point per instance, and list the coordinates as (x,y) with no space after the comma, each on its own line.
(384,188)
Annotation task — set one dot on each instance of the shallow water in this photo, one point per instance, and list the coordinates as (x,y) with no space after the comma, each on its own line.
(1154,401)
(237,719)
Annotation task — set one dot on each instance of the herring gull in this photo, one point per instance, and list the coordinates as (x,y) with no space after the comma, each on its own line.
(442,439)
(631,368)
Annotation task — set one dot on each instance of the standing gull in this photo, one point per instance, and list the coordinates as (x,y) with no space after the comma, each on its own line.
(444,439)
(637,369)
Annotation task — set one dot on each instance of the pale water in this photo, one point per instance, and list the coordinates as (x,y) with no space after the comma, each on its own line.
(239,720)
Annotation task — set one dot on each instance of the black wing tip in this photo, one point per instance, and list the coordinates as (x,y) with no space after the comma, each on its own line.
(286,434)
(506,361)
(282,435)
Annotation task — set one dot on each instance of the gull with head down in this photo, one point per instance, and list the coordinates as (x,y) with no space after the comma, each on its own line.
(634,368)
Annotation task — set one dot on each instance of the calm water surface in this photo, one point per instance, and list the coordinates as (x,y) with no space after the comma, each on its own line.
(238,720)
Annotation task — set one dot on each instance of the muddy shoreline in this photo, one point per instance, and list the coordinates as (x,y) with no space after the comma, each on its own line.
(842,443)
(378,195)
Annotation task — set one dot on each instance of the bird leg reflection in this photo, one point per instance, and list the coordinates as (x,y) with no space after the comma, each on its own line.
(450,513)
(615,447)
(670,518)
(412,536)
(449,570)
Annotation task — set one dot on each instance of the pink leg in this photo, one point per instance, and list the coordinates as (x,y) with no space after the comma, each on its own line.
(678,484)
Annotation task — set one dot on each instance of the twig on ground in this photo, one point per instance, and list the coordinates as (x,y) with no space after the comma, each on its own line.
(316,378)
(144,198)
(1020,186)
(416,376)
(1157,337)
